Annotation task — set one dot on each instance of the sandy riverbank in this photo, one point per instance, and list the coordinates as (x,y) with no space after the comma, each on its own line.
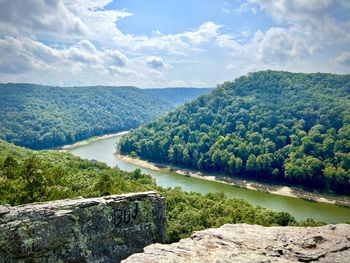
(253,185)
(85,142)
(138,162)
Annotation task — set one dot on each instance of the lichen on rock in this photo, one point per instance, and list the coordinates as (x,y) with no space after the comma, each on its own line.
(105,229)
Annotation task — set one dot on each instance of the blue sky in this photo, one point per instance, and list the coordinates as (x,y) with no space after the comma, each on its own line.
(153,43)
(178,16)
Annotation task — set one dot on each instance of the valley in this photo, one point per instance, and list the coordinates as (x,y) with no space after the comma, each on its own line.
(103,150)
(174,131)
(219,158)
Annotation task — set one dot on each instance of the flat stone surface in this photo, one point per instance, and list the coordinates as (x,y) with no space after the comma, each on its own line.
(105,229)
(253,243)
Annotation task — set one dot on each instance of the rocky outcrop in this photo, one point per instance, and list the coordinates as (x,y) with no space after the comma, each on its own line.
(253,243)
(105,229)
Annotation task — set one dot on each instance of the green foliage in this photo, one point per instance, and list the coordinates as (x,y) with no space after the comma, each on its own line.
(41,117)
(310,222)
(28,176)
(188,212)
(31,176)
(278,126)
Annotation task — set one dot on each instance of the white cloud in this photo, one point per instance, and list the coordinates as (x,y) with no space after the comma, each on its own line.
(343,59)
(86,22)
(102,26)
(39,17)
(24,54)
(313,17)
(276,45)
(297,10)
(10,63)
(116,58)
(101,23)
(280,45)
(203,34)
(114,70)
(180,43)
(58,40)
(305,27)
(32,61)
(246,7)
(86,44)
(228,41)
(156,63)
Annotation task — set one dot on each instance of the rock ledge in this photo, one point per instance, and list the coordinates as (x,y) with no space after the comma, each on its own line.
(253,243)
(105,229)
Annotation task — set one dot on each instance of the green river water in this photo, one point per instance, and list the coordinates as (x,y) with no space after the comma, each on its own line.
(103,150)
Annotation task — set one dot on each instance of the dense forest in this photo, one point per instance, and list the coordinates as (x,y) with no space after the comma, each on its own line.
(177,96)
(30,176)
(278,126)
(40,117)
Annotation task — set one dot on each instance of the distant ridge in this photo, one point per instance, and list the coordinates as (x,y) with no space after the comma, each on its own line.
(39,116)
(178,95)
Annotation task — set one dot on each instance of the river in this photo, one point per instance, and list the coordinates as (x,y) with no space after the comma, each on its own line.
(103,150)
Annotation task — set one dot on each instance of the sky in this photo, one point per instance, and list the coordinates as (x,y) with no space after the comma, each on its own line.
(168,43)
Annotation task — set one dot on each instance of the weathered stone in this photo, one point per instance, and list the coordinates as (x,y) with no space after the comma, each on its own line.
(253,243)
(105,229)
(4,210)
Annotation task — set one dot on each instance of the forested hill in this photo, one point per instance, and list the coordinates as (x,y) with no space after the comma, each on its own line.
(178,96)
(278,126)
(42,116)
(39,117)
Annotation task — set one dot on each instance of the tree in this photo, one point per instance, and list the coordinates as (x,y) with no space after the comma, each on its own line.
(34,175)
(10,167)
(105,183)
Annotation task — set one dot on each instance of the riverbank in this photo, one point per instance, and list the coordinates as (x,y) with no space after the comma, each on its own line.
(93,139)
(301,209)
(284,190)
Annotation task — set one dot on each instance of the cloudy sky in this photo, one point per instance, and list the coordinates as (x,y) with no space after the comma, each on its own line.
(158,43)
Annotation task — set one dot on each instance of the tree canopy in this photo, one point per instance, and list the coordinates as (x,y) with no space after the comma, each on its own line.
(41,117)
(270,125)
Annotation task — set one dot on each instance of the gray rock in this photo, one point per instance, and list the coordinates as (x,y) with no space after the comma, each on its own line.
(4,210)
(253,243)
(105,229)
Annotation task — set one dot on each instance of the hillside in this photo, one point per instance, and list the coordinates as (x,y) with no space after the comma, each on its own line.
(28,176)
(42,117)
(178,96)
(277,126)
